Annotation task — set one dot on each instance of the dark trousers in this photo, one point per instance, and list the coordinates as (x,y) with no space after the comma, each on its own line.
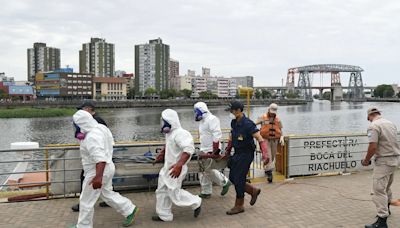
(82,178)
(239,167)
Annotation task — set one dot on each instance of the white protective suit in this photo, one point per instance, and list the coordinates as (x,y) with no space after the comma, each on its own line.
(97,147)
(169,189)
(210,131)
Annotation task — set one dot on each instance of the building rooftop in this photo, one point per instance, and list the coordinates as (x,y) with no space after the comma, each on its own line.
(109,80)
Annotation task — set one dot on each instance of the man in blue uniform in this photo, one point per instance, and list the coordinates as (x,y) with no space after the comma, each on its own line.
(243,133)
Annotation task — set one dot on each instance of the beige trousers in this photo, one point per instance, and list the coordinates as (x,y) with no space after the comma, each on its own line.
(382,181)
(272,149)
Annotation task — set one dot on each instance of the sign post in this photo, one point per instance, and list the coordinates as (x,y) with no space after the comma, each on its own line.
(246,91)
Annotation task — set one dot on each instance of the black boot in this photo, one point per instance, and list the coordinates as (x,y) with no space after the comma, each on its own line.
(269,176)
(75,208)
(380,223)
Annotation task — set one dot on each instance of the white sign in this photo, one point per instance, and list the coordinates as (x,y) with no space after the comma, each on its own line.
(325,154)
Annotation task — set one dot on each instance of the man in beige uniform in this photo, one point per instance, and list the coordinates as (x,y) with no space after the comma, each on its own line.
(382,137)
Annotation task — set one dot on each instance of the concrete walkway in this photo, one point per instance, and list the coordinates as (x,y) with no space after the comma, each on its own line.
(337,201)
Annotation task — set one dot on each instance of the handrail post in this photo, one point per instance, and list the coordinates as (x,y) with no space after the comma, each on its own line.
(46,152)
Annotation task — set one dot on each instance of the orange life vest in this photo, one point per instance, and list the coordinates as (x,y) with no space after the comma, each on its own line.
(270,129)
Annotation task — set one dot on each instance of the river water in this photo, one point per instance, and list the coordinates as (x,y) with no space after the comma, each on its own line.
(319,117)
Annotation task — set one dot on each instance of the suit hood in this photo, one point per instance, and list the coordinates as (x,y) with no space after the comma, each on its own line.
(171,116)
(85,121)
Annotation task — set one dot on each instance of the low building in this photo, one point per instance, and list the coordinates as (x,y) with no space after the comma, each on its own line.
(119,73)
(199,84)
(181,83)
(205,72)
(109,88)
(130,80)
(4,78)
(233,87)
(3,89)
(64,84)
(175,83)
(245,81)
(185,83)
(21,92)
(191,73)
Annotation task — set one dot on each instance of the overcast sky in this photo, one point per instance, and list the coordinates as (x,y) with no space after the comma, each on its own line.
(262,38)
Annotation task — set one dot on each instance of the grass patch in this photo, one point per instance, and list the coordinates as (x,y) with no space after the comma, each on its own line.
(36,112)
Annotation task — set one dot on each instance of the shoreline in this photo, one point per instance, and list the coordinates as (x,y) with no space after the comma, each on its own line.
(27,112)
(142,103)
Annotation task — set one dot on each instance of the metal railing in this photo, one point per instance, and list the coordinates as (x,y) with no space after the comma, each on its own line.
(59,167)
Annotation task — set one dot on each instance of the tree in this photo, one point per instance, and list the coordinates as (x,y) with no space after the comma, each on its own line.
(131,93)
(186,93)
(265,94)
(207,95)
(316,96)
(150,92)
(383,91)
(292,95)
(398,94)
(3,94)
(168,93)
(257,94)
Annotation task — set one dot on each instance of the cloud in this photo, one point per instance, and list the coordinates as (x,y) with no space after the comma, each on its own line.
(260,38)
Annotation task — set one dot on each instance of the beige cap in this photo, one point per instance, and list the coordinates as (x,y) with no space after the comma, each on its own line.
(273,108)
(373,110)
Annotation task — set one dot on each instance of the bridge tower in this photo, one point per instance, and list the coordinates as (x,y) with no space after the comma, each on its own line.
(336,85)
(304,85)
(290,81)
(356,87)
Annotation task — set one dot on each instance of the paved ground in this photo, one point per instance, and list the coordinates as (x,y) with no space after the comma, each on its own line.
(338,201)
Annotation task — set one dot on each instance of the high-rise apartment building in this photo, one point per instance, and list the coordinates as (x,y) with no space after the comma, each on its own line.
(173,68)
(42,59)
(97,57)
(151,66)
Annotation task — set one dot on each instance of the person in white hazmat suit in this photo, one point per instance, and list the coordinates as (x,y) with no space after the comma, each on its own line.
(96,152)
(210,136)
(179,147)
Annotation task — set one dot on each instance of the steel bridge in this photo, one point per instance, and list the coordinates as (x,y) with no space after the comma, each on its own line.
(304,85)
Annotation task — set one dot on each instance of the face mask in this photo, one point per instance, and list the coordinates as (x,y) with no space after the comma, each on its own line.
(78,134)
(165,127)
(198,115)
(232,116)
